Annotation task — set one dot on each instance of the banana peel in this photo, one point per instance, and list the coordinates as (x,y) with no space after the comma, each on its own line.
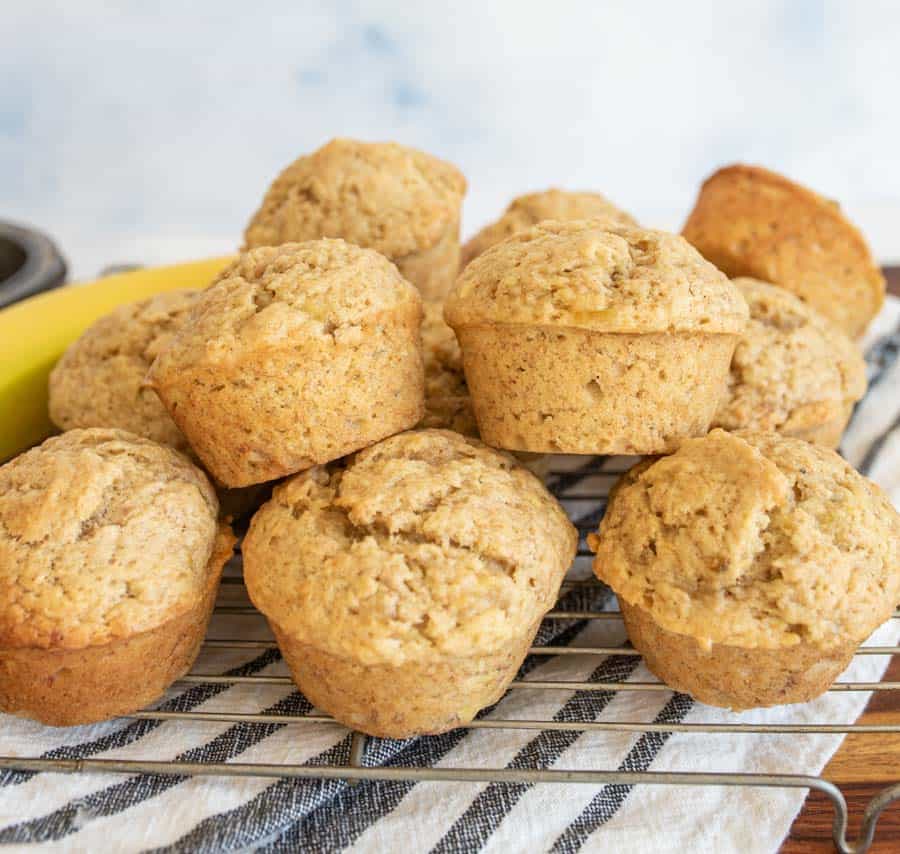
(34,333)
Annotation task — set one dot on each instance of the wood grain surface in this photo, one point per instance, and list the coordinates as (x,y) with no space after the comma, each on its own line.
(862,766)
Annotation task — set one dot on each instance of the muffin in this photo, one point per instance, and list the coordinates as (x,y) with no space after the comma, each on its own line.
(399,201)
(406,587)
(793,370)
(447,402)
(296,355)
(110,556)
(101,379)
(749,566)
(583,338)
(752,222)
(532,208)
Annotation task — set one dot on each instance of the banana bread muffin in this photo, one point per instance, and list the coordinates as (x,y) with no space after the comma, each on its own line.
(749,566)
(101,379)
(447,402)
(793,371)
(405,588)
(400,201)
(110,556)
(752,222)
(532,208)
(295,355)
(583,338)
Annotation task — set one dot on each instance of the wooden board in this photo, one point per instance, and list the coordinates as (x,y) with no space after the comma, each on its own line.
(862,766)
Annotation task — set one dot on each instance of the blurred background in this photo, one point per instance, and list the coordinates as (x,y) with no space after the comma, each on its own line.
(148,133)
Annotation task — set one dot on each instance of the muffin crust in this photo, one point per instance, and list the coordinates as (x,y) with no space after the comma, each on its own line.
(752,222)
(110,556)
(405,588)
(582,338)
(735,677)
(588,275)
(753,540)
(414,551)
(297,354)
(101,379)
(532,208)
(401,202)
(100,500)
(447,402)
(793,371)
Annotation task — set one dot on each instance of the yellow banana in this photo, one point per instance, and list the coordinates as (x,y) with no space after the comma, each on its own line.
(35,332)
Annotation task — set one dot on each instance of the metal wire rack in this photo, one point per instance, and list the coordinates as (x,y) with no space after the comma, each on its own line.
(587,485)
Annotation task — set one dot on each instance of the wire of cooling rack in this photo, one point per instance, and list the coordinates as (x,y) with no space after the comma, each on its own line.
(570,487)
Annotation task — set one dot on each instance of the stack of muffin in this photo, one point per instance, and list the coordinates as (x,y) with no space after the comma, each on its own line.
(403,564)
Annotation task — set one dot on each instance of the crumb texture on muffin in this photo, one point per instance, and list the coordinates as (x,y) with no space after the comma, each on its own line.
(792,370)
(447,401)
(753,540)
(383,196)
(413,552)
(588,274)
(321,289)
(101,379)
(532,208)
(103,535)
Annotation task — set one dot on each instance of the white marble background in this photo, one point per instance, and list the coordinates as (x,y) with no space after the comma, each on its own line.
(148,131)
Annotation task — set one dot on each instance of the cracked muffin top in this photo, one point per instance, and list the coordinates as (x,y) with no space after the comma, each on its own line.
(101,379)
(425,546)
(447,401)
(588,274)
(792,368)
(380,195)
(278,295)
(532,208)
(753,540)
(103,535)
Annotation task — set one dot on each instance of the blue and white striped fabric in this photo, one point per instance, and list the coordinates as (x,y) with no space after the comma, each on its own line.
(53,812)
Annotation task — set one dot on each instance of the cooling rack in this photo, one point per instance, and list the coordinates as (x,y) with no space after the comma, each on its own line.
(582,488)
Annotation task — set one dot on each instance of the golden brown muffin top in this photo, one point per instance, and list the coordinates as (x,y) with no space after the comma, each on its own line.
(447,401)
(532,208)
(792,369)
(103,535)
(101,379)
(588,274)
(380,195)
(279,296)
(428,545)
(750,221)
(754,540)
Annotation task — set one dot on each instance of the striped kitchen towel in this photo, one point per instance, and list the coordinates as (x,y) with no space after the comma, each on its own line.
(105,812)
